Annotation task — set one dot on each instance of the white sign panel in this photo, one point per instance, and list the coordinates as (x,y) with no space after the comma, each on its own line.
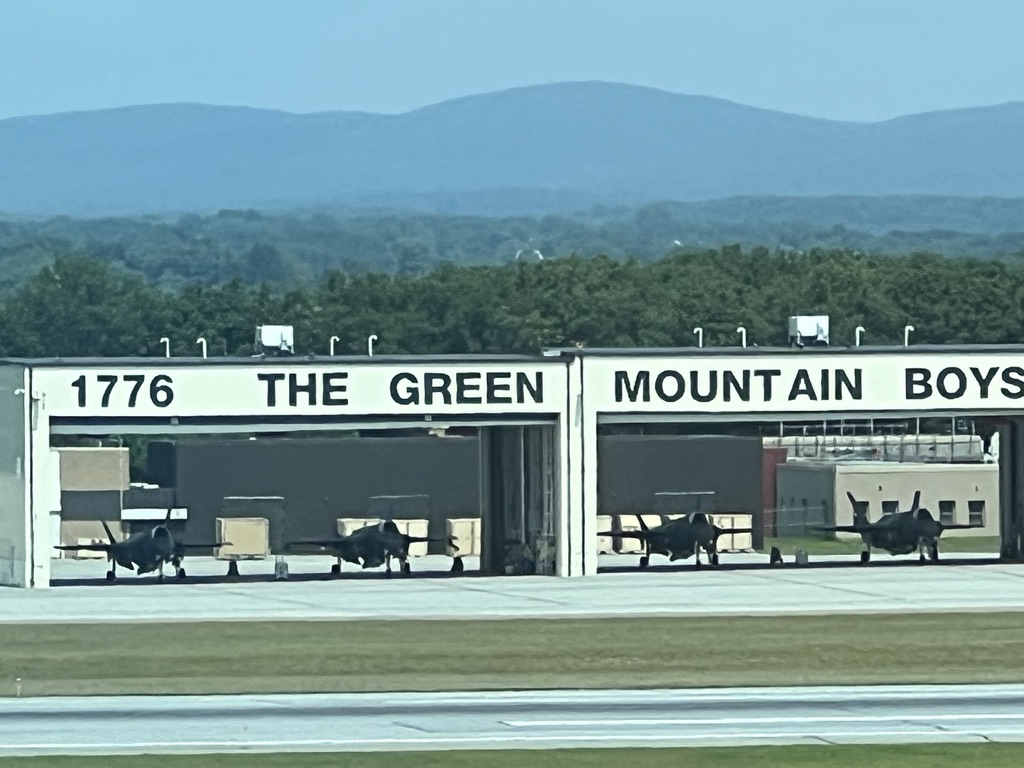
(804,383)
(302,390)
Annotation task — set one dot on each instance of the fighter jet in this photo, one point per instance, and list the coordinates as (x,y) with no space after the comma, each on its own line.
(899,533)
(374,545)
(145,551)
(679,538)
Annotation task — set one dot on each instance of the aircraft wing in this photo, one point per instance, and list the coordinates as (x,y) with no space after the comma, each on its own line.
(638,534)
(316,542)
(86,547)
(215,545)
(959,526)
(845,528)
(449,539)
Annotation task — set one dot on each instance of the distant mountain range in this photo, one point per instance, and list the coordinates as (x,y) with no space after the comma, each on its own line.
(549,148)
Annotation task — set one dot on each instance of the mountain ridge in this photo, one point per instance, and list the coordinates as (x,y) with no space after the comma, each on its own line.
(606,142)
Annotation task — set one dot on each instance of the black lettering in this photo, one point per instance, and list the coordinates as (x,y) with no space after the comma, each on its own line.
(437,384)
(679,387)
(643,382)
(731,384)
(309,388)
(712,387)
(825,383)
(1013,376)
(917,384)
(493,387)
(535,388)
(335,383)
(271,379)
(855,388)
(802,386)
(961,383)
(766,379)
(411,395)
(464,388)
(984,381)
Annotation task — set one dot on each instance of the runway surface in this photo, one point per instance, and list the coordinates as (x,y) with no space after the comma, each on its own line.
(886,586)
(389,722)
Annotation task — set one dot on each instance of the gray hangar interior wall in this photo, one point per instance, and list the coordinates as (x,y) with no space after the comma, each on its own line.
(632,468)
(320,480)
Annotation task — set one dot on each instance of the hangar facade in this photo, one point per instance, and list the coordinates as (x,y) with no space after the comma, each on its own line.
(519,404)
(539,417)
(754,384)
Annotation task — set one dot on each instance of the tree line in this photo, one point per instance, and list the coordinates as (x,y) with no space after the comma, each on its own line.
(293,248)
(83,306)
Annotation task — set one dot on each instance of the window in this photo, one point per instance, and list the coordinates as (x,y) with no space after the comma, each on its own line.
(890,507)
(947,512)
(976,511)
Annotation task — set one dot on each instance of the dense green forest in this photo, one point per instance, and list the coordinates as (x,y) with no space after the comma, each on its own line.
(83,306)
(290,249)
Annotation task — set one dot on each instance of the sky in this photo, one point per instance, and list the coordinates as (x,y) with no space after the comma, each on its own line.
(861,60)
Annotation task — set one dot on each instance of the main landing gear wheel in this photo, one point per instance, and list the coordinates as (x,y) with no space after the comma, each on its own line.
(935,552)
(406,569)
(645,561)
(110,577)
(865,556)
(181,574)
(336,569)
(457,565)
(714,559)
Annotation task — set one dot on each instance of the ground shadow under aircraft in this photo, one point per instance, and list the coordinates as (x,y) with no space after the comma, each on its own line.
(681,568)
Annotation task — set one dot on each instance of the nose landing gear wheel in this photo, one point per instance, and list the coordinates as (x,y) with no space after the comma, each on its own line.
(335,569)
(110,577)
(865,556)
(457,565)
(645,561)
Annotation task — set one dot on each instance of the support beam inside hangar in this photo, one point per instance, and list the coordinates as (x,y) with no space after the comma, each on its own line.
(519,402)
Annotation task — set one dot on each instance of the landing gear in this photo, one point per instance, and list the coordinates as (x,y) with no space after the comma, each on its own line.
(111,576)
(457,565)
(406,569)
(336,569)
(645,561)
(934,553)
(714,559)
(865,555)
(181,574)
(233,569)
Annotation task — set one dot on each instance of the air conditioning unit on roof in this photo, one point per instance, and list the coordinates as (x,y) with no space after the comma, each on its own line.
(808,331)
(275,340)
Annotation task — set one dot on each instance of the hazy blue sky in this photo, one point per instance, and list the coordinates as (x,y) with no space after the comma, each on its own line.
(844,59)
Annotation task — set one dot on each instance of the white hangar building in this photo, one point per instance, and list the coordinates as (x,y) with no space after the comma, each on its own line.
(538,418)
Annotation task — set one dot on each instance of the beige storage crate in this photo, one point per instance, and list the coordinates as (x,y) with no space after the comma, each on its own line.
(249,537)
(466,531)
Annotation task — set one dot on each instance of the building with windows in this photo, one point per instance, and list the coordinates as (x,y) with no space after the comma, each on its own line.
(810,493)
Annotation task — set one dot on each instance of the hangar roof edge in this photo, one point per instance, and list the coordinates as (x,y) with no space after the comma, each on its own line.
(286,361)
(914,349)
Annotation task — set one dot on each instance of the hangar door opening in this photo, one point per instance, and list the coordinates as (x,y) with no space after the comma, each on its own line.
(519,499)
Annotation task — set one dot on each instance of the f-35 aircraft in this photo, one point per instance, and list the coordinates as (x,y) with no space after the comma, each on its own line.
(679,538)
(145,551)
(374,545)
(899,533)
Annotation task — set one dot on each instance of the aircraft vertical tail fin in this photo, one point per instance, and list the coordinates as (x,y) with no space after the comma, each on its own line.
(643,525)
(917,501)
(110,534)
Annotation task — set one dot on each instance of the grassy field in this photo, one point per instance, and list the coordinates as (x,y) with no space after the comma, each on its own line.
(886,756)
(513,654)
(847,546)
